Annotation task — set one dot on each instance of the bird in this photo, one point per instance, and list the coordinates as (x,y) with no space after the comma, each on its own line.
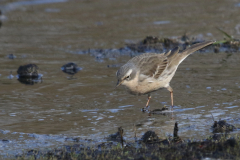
(149,72)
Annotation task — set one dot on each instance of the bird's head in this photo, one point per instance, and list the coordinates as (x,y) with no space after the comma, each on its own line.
(125,74)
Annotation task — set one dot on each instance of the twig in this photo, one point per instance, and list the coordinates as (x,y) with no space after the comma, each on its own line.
(120,130)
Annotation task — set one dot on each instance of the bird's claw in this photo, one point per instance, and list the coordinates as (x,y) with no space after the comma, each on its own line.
(145,109)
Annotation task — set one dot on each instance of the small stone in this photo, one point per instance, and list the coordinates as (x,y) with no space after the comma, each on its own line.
(29,70)
(70,68)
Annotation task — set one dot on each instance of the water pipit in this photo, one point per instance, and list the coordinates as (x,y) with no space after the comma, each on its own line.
(150,72)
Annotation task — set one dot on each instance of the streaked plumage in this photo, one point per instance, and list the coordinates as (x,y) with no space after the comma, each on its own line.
(149,72)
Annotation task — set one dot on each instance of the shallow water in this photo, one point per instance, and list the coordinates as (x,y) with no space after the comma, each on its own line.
(88,105)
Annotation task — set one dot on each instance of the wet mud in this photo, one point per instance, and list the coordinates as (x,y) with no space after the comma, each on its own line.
(155,44)
(160,45)
(75,117)
(149,146)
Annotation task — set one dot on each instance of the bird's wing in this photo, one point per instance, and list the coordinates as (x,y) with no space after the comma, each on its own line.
(151,65)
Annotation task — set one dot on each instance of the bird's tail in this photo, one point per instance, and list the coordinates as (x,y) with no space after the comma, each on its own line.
(196,47)
(176,58)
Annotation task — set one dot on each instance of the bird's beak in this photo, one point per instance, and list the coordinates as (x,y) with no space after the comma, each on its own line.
(119,83)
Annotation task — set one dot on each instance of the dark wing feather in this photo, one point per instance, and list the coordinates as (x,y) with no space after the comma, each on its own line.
(152,65)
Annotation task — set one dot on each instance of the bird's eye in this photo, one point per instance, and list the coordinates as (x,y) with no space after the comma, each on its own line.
(127,77)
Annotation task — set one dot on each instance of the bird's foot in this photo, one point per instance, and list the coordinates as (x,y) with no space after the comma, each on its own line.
(145,109)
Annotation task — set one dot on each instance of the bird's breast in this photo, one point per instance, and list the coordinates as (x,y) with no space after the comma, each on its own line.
(146,87)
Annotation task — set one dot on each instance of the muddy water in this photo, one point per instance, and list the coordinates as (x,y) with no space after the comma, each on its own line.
(87,105)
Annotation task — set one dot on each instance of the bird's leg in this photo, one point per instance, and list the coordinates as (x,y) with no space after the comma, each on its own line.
(149,97)
(171,93)
(144,109)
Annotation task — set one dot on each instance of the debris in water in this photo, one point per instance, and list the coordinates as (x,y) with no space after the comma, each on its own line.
(70,68)
(150,137)
(159,111)
(29,74)
(116,136)
(29,70)
(11,56)
(222,126)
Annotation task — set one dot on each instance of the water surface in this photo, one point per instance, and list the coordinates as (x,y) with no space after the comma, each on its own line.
(87,105)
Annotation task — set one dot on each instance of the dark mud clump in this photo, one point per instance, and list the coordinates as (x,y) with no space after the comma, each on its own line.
(11,56)
(155,111)
(155,44)
(29,74)
(151,43)
(118,136)
(4,140)
(150,146)
(70,68)
(159,111)
(27,71)
(150,137)
(222,126)
(160,45)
